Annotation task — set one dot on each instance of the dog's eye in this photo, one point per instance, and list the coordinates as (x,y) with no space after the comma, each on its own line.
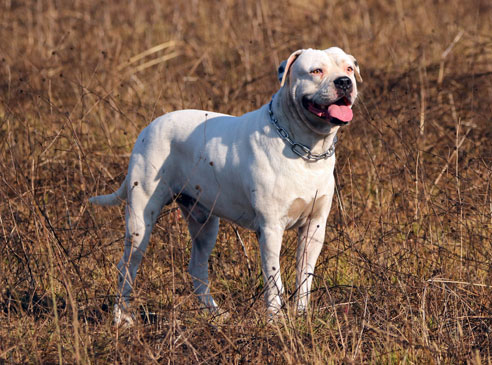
(350,69)
(317,71)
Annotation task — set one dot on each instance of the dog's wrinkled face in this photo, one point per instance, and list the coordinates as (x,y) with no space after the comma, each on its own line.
(322,84)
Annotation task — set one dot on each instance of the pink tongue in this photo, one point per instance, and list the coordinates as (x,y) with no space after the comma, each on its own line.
(341,112)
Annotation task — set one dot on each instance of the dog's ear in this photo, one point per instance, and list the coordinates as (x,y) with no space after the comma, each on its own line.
(357,71)
(281,70)
(288,64)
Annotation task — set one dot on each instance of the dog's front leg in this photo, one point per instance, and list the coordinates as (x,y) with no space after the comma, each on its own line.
(310,242)
(270,239)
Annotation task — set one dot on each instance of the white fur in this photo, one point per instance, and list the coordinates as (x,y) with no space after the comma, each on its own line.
(237,168)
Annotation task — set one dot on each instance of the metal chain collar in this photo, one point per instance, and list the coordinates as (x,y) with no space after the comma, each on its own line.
(300,149)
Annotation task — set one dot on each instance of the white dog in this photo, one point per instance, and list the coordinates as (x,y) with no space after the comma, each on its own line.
(268,170)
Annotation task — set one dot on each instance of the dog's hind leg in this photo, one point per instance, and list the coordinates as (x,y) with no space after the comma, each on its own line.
(143,206)
(203,229)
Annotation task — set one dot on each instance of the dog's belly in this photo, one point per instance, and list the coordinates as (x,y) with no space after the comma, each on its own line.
(219,187)
(236,211)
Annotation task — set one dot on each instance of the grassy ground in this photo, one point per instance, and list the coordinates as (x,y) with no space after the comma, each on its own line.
(406,270)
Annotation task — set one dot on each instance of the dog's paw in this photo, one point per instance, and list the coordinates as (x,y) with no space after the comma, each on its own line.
(122,318)
(275,315)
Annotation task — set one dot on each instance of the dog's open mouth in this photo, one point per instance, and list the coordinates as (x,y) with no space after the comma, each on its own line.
(338,112)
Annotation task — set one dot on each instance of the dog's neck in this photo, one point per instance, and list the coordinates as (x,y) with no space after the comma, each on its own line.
(297,126)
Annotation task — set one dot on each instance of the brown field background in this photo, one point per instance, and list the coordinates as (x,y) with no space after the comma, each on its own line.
(406,270)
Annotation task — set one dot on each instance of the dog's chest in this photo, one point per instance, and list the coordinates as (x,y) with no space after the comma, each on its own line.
(300,210)
(296,194)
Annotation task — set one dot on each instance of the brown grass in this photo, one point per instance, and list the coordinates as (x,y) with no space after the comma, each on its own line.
(406,271)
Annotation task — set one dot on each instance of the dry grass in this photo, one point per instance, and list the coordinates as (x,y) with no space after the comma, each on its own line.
(406,271)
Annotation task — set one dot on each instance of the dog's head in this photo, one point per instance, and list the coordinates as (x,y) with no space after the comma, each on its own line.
(322,85)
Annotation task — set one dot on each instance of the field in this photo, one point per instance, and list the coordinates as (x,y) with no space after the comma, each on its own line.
(406,272)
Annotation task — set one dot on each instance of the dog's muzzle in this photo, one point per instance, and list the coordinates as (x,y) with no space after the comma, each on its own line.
(338,112)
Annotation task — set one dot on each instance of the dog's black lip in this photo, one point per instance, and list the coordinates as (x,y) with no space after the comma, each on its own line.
(338,121)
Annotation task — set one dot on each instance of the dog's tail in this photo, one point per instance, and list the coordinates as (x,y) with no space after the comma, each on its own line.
(111,199)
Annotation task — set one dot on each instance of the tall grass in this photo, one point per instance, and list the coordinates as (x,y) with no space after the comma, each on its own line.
(406,270)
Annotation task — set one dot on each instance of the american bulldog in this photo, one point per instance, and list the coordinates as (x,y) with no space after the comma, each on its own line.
(268,170)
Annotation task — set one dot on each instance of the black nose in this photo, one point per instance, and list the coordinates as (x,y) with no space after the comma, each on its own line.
(343,84)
